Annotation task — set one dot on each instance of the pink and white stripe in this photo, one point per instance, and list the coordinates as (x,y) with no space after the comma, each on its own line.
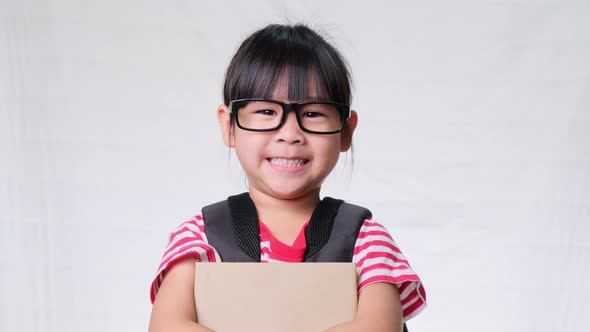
(378,259)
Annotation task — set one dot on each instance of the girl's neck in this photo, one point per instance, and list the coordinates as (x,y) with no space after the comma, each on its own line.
(285,217)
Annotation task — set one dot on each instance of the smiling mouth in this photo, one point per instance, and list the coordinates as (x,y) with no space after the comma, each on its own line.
(288,162)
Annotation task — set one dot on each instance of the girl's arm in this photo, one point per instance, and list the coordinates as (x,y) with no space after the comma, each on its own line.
(379,309)
(174,306)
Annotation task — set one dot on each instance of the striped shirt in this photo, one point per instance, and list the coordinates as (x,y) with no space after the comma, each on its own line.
(376,255)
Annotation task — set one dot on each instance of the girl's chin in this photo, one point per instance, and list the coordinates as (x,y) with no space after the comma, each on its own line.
(285,191)
(287,194)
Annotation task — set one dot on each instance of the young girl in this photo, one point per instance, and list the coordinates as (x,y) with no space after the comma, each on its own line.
(286,113)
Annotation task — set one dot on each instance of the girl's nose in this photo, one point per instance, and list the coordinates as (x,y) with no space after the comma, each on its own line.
(290,131)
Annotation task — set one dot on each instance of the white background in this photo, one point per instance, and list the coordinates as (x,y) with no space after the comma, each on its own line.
(473,147)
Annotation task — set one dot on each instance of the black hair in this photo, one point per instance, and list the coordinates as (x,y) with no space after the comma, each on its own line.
(296,51)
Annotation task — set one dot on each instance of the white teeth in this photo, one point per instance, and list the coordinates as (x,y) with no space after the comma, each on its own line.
(287,162)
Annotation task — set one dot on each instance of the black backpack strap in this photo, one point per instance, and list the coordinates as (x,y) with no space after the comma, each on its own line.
(246,224)
(320,226)
(344,227)
(238,216)
(330,235)
(232,227)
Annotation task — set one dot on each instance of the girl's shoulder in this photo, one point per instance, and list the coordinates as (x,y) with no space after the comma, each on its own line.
(194,225)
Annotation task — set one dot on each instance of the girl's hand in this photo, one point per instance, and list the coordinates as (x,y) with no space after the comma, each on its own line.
(379,310)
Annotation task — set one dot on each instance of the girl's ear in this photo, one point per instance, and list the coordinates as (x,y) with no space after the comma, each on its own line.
(224,118)
(349,127)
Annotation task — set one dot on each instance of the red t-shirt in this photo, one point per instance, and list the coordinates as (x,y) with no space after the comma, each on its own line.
(377,257)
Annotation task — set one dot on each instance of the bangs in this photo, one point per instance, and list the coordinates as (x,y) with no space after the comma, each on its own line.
(287,54)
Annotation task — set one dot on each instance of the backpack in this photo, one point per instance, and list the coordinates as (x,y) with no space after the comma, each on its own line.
(330,236)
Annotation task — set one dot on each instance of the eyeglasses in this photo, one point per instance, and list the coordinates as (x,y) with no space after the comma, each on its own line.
(316,117)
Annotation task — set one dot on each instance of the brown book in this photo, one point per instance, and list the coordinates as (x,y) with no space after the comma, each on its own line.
(273,297)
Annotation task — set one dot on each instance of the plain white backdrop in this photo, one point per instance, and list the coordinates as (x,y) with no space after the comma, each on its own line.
(473,147)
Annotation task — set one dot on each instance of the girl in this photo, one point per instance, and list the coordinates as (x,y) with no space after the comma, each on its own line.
(286,113)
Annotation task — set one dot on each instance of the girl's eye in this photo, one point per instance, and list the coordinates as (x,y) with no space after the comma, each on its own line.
(313,114)
(266,112)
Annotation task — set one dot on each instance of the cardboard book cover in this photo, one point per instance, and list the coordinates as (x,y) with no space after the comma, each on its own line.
(271,297)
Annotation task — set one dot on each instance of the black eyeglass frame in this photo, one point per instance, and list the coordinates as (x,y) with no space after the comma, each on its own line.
(344,110)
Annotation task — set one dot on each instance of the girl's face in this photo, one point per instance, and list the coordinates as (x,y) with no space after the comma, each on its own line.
(286,163)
